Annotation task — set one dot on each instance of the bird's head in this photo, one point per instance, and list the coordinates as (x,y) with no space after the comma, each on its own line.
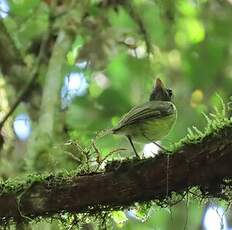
(160,93)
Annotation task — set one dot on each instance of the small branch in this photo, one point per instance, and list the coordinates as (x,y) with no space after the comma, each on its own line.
(108,155)
(136,17)
(205,164)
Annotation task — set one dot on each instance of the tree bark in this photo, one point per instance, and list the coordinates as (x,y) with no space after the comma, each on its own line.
(204,164)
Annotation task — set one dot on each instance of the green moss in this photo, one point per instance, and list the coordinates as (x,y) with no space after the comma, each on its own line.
(215,122)
(17,185)
(20,184)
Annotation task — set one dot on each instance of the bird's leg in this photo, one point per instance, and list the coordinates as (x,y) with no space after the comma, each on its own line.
(130,140)
(161,147)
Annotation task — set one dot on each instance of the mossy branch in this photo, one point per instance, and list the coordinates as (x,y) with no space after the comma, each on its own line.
(205,164)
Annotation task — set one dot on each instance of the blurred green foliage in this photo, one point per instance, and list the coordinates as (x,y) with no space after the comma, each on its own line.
(191,52)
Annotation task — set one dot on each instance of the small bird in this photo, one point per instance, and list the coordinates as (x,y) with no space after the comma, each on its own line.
(150,121)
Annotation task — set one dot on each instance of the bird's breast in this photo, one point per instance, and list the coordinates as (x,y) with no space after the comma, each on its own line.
(144,128)
(151,129)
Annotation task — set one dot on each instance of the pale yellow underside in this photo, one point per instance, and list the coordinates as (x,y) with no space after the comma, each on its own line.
(154,129)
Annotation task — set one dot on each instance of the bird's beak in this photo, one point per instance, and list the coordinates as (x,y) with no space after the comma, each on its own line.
(159,84)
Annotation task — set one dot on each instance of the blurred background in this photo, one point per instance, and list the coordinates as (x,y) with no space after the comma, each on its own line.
(75,67)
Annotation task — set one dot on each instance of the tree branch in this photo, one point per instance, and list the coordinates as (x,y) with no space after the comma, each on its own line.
(205,164)
(138,20)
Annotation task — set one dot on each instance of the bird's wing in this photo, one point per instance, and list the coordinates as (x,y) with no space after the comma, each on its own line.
(151,109)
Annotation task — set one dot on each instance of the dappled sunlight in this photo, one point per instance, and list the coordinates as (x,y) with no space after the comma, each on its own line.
(22,126)
(4,8)
(75,84)
(150,150)
(214,219)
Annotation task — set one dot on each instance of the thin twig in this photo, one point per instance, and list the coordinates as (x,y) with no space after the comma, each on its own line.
(73,157)
(98,157)
(136,17)
(108,155)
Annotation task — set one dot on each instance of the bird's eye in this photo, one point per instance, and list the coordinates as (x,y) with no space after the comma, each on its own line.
(169,92)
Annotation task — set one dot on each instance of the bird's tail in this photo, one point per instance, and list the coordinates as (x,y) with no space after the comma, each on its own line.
(103,133)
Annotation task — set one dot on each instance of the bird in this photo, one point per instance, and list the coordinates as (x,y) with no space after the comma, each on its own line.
(151,121)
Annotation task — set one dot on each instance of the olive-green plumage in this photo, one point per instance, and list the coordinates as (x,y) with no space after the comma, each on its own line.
(150,121)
